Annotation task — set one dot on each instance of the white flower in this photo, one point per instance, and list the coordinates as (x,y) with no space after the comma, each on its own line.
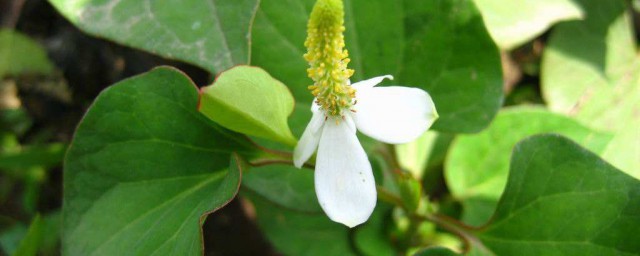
(344,181)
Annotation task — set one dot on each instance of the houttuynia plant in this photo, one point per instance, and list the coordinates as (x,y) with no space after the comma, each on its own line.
(351,127)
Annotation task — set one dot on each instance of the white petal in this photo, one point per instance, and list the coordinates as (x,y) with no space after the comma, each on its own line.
(344,181)
(314,106)
(309,140)
(394,114)
(370,83)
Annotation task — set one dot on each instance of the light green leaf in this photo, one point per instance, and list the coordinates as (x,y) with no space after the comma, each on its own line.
(293,229)
(144,168)
(563,200)
(591,70)
(213,35)
(20,55)
(585,55)
(427,151)
(440,46)
(248,100)
(413,156)
(623,151)
(477,166)
(513,23)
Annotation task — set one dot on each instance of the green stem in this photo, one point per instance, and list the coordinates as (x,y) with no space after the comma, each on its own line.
(456,227)
(386,196)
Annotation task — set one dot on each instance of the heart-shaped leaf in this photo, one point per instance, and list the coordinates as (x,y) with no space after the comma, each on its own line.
(144,166)
(563,200)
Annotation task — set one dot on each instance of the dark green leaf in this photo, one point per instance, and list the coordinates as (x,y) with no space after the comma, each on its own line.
(285,185)
(144,166)
(563,200)
(211,34)
(450,54)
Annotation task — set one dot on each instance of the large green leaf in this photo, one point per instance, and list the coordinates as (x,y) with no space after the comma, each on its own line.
(20,54)
(248,100)
(563,200)
(289,214)
(211,34)
(144,166)
(440,46)
(477,166)
(512,23)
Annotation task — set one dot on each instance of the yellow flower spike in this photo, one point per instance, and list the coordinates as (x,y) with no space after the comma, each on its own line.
(328,59)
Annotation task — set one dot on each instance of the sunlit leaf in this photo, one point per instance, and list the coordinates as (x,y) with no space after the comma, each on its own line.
(477,166)
(248,100)
(512,23)
(591,70)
